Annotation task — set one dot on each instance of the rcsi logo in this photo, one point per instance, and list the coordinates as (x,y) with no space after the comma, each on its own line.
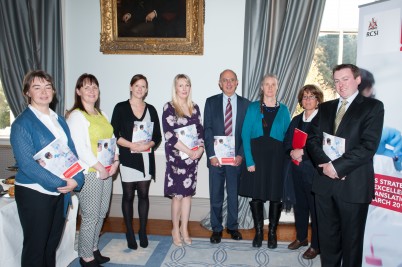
(372,28)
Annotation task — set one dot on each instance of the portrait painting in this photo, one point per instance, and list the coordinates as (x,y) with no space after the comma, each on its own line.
(171,27)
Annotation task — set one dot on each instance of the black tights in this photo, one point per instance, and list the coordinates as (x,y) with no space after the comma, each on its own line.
(143,204)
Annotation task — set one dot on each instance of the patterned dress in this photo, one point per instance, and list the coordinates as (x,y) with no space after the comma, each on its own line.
(180,175)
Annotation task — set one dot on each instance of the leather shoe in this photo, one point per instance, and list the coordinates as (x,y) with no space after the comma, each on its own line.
(235,234)
(297,244)
(216,237)
(311,253)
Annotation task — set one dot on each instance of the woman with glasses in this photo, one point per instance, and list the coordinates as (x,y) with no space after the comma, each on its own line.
(302,172)
(263,131)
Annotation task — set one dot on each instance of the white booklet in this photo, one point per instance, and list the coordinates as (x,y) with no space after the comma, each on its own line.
(188,136)
(224,147)
(333,146)
(106,152)
(58,158)
(142,132)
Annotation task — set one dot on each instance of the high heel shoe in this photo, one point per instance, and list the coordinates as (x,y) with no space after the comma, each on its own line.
(99,258)
(176,239)
(143,239)
(131,243)
(186,238)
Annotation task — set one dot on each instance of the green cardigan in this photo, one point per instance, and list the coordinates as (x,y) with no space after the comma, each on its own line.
(252,127)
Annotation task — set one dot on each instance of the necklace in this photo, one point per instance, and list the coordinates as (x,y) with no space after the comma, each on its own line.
(271,109)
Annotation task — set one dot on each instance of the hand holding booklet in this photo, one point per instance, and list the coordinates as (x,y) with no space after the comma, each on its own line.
(142,132)
(58,158)
(298,141)
(188,136)
(333,146)
(224,147)
(106,152)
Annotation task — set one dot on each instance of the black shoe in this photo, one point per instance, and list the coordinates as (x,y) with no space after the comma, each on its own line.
(131,243)
(235,234)
(216,237)
(143,239)
(99,258)
(92,263)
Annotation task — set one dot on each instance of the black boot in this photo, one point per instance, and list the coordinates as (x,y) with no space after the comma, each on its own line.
(275,209)
(142,233)
(257,209)
(99,258)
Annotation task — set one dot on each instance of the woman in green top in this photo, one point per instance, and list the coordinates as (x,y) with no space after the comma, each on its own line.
(89,126)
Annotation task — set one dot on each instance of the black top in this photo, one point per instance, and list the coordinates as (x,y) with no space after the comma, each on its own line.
(123,122)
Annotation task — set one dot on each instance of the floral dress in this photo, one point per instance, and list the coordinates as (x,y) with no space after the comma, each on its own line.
(181,174)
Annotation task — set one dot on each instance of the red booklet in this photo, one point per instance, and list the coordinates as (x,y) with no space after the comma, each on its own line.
(299,141)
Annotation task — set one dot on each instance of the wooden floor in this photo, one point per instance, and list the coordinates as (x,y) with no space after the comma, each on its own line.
(286,232)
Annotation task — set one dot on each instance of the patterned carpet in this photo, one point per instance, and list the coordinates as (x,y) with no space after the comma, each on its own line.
(161,252)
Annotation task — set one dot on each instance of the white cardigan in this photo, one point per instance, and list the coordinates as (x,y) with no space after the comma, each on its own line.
(79,126)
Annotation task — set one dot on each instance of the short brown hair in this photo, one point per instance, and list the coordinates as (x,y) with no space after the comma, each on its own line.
(355,69)
(30,77)
(313,89)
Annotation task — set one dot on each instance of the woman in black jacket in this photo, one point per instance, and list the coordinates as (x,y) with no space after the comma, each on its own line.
(302,172)
(137,159)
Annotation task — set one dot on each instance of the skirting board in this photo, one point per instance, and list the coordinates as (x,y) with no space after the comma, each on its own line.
(159,208)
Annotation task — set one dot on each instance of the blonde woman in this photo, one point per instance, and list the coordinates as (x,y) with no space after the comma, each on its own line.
(181,174)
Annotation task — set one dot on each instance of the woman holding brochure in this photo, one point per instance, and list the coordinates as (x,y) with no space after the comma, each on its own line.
(42,197)
(181,121)
(137,144)
(89,126)
(302,171)
(263,131)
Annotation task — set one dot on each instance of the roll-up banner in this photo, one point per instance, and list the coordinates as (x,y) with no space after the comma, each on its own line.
(379,51)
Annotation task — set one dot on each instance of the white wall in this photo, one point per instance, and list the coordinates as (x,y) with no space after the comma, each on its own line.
(223,48)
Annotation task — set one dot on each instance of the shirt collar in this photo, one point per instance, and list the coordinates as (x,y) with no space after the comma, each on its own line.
(350,99)
(311,116)
(40,114)
(225,97)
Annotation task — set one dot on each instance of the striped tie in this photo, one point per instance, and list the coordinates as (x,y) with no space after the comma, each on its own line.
(340,114)
(228,119)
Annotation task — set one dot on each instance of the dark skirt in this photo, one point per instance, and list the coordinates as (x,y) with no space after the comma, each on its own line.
(266,183)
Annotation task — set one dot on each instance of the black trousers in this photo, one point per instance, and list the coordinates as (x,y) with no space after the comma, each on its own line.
(42,222)
(340,231)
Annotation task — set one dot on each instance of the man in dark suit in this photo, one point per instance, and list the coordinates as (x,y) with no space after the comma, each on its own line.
(214,125)
(344,186)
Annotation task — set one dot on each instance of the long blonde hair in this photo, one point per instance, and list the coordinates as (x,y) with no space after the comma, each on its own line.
(175,102)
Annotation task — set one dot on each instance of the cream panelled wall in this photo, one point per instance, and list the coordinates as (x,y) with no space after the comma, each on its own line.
(223,48)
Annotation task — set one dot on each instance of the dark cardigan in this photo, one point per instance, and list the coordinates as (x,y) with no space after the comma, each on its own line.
(123,122)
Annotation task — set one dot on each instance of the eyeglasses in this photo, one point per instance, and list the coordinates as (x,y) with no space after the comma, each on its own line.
(310,97)
(228,80)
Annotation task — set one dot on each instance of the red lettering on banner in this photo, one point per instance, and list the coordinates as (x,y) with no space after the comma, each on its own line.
(388,192)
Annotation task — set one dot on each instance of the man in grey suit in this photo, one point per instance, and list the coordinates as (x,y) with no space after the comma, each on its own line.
(344,186)
(219,175)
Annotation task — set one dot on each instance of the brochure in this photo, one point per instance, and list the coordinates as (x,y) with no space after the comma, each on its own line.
(142,132)
(58,158)
(224,147)
(188,136)
(106,152)
(299,141)
(333,146)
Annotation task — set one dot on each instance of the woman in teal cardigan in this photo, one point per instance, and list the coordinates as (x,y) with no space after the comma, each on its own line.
(263,132)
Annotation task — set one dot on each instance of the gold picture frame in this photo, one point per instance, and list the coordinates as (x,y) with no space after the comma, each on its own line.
(190,44)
